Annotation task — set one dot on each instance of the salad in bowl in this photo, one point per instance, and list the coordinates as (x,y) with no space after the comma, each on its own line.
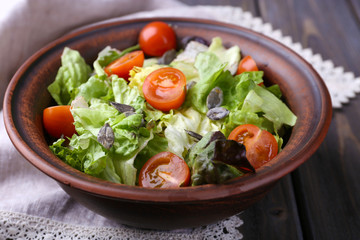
(162,116)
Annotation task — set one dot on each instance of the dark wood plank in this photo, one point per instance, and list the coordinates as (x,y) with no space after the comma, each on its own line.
(327,187)
(328,27)
(355,7)
(275,216)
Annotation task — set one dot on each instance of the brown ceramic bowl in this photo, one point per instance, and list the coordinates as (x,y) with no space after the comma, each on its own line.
(303,89)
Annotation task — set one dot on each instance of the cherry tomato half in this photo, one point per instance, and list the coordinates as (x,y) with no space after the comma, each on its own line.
(124,64)
(156,38)
(59,121)
(165,88)
(247,64)
(261,146)
(164,170)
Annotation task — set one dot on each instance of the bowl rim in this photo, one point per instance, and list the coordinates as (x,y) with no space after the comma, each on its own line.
(107,189)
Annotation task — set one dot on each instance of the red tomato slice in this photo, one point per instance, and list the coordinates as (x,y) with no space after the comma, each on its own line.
(261,146)
(156,38)
(165,88)
(247,64)
(164,170)
(124,64)
(59,121)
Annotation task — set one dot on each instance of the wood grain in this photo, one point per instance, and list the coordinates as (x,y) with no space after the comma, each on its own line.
(327,186)
(275,216)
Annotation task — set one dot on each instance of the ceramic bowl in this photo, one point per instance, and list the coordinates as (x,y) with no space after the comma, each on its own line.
(303,90)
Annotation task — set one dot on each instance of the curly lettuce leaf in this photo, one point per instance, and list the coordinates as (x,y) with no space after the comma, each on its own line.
(188,69)
(191,120)
(210,68)
(212,74)
(230,56)
(125,94)
(93,118)
(72,157)
(115,164)
(94,87)
(73,72)
(88,155)
(125,165)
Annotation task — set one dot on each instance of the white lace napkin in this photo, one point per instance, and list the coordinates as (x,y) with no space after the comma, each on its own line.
(31,203)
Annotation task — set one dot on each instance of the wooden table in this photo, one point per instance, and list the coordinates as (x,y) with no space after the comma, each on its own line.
(321,199)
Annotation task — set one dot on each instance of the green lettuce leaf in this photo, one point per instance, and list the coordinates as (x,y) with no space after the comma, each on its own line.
(275,89)
(95,87)
(210,68)
(188,69)
(93,118)
(73,72)
(261,100)
(188,119)
(184,61)
(109,173)
(125,94)
(230,56)
(72,157)
(261,108)
(212,74)
(125,163)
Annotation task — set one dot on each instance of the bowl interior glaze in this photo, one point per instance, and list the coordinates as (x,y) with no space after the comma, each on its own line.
(303,90)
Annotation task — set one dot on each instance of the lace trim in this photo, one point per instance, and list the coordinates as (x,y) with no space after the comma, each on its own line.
(21,226)
(336,80)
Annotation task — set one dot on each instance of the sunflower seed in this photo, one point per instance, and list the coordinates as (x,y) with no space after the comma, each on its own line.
(167,57)
(194,134)
(215,98)
(128,113)
(185,41)
(106,136)
(190,85)
(217,113)
(122,107)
